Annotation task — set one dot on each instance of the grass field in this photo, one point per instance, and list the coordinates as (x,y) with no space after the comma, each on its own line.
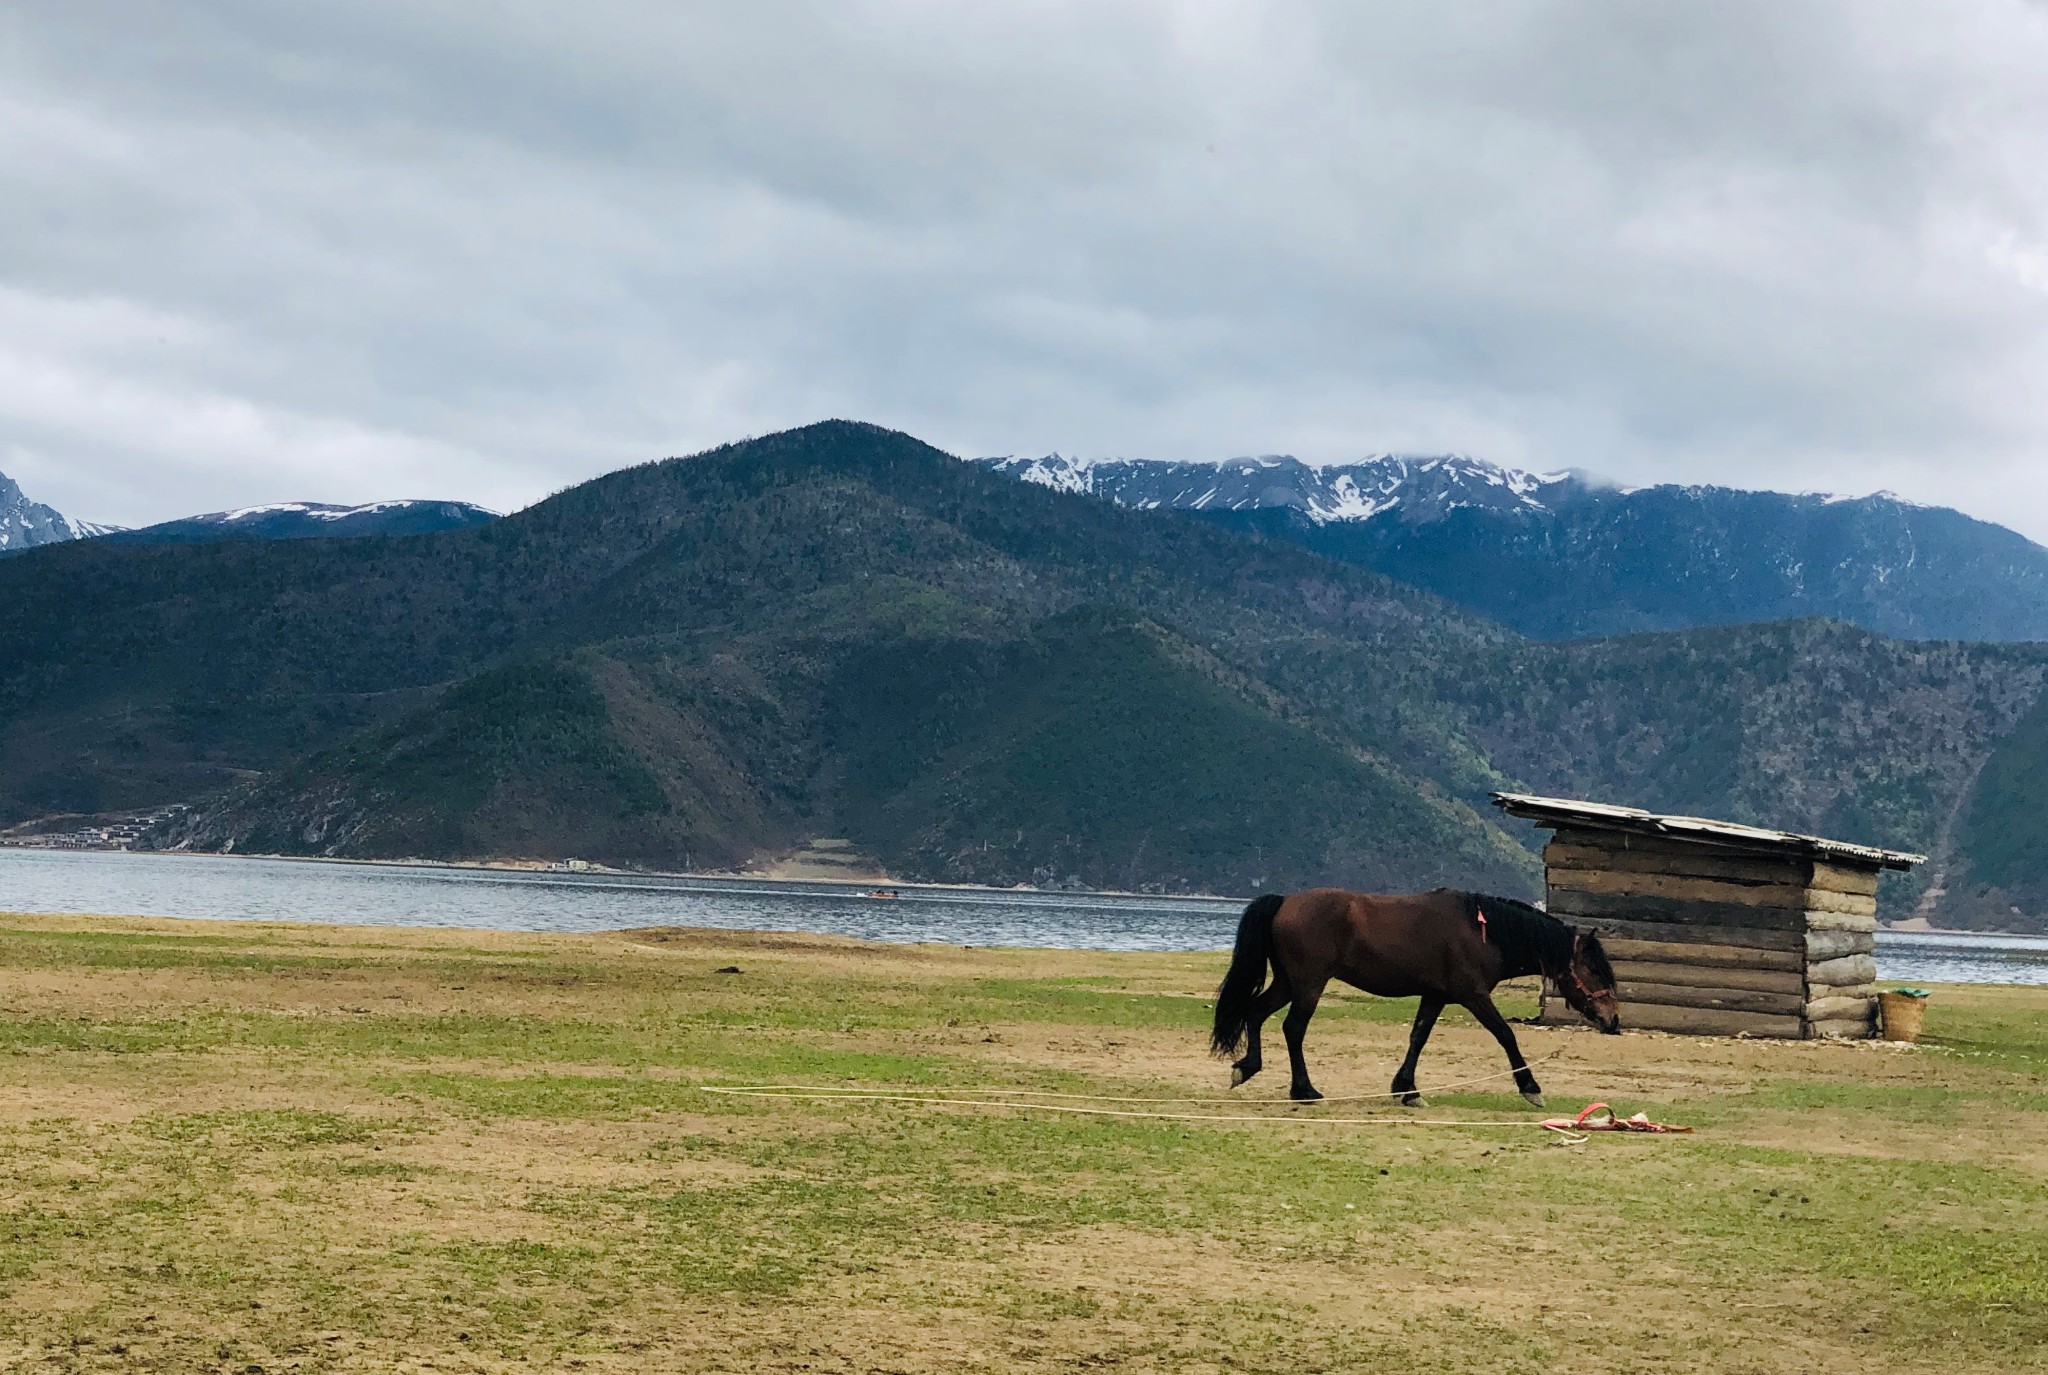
(244,1148)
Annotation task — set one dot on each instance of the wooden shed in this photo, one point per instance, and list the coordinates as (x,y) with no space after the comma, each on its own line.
(1716,928)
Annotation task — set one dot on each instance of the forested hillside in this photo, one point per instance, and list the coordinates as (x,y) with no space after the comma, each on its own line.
(841,631)
(1996,875)
(1602,561)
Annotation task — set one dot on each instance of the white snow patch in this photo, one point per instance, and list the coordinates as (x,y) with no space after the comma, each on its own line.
(1060,473)
(319,510)
(246,512)
(1346,502)
(1525,485)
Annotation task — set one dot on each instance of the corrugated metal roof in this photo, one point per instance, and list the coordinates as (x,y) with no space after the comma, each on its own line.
(1565,811)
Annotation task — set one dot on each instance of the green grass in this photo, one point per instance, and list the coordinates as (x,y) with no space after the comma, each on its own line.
(521,1167)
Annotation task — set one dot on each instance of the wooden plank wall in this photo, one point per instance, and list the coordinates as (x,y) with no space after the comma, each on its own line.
(1711,940)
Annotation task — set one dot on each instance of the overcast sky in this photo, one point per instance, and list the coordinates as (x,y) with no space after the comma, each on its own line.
(346,251)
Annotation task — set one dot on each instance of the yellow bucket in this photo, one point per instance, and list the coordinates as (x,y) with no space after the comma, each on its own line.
(1903,1013)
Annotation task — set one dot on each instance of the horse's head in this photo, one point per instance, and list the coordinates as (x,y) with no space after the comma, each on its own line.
(1588,985)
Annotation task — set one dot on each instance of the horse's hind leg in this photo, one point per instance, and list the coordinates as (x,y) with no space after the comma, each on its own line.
(1270,1001)
(1305,999)
(1418,1037)
(1489,1017)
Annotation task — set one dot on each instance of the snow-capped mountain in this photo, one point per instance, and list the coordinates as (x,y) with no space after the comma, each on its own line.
(1565,554)
(25,524)
(1419,489)
(314,520)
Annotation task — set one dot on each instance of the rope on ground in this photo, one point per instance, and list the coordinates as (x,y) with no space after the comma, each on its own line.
(1567,1131)
(885,1094)
(771,1091)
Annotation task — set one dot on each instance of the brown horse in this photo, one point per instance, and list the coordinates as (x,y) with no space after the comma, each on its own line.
(1443,946)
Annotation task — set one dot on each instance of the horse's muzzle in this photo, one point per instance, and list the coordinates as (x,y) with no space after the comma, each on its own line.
(1611,1026)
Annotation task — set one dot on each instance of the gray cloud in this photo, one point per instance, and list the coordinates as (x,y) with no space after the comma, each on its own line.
(252,252)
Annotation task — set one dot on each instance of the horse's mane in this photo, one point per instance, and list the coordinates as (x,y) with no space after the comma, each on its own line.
(1531,941)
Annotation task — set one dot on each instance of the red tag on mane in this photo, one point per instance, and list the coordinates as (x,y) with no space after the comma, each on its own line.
(1480,912)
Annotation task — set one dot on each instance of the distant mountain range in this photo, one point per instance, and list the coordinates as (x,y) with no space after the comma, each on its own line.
(840,631)
(1414,491)
(313,520)
(1565,555)
(1560,555)
(24,524)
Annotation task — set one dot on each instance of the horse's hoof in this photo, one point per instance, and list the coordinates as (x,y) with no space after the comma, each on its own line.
(1303,1095)
(1414,1100)
(1535,1098)
(1238,1074)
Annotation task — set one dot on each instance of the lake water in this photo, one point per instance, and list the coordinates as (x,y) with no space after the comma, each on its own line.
(117,883)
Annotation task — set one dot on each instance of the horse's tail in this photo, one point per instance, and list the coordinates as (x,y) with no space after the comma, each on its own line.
(1247,976)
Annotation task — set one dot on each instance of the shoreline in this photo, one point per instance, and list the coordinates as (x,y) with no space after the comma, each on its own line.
(596,870)
(697,931)
(2023,944)
(1910,926)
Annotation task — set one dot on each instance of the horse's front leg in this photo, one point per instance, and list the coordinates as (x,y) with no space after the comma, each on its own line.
(1482,1008)
(1418,1037)
(1295,1027)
